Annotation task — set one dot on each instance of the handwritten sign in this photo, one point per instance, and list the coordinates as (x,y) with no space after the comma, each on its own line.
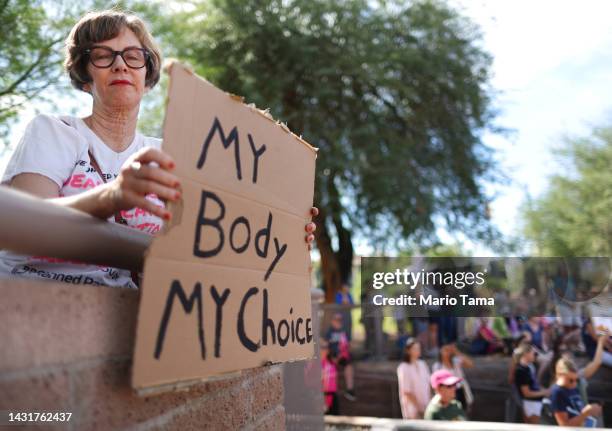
(226,285)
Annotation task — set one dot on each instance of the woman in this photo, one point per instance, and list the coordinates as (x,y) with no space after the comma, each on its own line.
(527,384)
(452,360)
(413,381)
(99,164)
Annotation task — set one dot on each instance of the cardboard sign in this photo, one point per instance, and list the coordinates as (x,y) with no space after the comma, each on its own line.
(226,285)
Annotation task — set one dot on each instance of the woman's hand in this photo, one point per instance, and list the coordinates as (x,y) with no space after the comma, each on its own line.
(311,227)
(145,172)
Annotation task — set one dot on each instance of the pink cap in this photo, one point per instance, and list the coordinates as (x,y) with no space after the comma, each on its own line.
(444,377)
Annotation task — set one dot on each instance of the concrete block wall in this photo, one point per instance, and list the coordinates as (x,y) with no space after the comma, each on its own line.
(67,348)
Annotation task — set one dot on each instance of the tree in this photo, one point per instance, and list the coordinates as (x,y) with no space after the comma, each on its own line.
(31,52)
(573,217)
(29,60)
(394,94)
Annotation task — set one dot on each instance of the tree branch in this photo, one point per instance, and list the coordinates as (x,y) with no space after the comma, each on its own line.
(44,52)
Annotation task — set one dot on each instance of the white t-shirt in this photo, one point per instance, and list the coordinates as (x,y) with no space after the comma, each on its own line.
(58,149)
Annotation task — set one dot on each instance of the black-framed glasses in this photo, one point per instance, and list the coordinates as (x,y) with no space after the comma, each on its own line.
(104,57)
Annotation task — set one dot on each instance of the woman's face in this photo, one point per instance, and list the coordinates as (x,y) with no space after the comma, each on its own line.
(415,351)
(117,87)
(446,352)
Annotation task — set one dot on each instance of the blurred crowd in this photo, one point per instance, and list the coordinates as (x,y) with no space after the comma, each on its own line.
(544,379)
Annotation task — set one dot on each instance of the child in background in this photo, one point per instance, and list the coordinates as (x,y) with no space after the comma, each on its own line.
(339,349)
(443,406)
(452,360)
(413,381)
(329,379)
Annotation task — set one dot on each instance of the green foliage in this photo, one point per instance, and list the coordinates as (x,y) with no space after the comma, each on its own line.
(573,218)
(395,95)
(29,62)
(31,52)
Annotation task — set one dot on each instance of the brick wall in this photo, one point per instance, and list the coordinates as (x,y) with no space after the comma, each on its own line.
(68,348)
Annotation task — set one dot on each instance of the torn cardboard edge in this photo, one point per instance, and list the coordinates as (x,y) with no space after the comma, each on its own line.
(171,63)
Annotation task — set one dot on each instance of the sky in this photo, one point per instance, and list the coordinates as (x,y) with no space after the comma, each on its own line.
(553,67)
(552,70)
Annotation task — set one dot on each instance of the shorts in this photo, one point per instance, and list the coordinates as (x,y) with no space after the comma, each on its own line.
(532,407)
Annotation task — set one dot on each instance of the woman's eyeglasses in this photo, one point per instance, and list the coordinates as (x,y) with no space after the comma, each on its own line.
(103,57)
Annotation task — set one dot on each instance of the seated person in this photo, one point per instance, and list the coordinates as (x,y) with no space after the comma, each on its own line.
(527,384)
(443,406)
(486,341)
(567,404)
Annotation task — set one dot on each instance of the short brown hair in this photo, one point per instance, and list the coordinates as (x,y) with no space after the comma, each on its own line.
(97,26)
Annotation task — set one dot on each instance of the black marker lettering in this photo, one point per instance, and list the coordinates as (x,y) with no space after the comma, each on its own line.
(300,340)
(176,290)
(292,327)
(219,300)
(256,155)
(244,339)
(263,233)
(267,322)
(244,221)
(213,222)
(283,340)
(279,253)
(232,137)
(308,330)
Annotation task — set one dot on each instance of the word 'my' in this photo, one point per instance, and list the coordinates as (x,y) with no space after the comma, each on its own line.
(232,138)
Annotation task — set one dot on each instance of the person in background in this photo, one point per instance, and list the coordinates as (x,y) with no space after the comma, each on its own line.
(413,381)
(339,348)
(527,384)
(486,341)
(591,337)
(345,301)
(501,331)
(536,329)
(329,379)
(567,405)
(443,406)
(585,373)
(452,360)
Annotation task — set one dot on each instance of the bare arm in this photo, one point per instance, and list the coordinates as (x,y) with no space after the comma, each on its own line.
(589,410)
(564,420)
(528,393)
(137,179)
(592,367)
(466,361)
(411,397)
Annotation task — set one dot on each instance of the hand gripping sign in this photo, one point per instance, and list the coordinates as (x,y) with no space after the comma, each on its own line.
(226,284)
